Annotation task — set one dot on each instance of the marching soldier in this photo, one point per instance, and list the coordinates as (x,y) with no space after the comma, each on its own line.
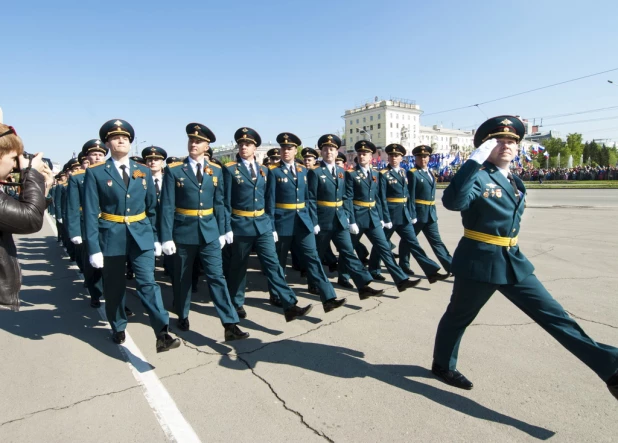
(488,259)
(274,156)
(326,183)
(61,181)
(252,228)
(286,204)
(119,218)
(193,225)
(422,186)
(71,167)
(94,152)
(396,204)
(362,189)
(310,156)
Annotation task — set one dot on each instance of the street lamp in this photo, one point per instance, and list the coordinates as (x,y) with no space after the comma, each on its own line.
(611,82)
(137,146)
(366,132)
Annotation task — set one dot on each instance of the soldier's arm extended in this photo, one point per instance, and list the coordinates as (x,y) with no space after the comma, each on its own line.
(73,206)
(168,205)
(91,211)
(312,195)
(464,188)
(348,196)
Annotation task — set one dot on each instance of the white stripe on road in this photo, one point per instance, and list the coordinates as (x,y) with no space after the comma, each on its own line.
(173,423)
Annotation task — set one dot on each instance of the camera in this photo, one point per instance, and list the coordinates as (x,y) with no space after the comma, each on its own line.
(28,156)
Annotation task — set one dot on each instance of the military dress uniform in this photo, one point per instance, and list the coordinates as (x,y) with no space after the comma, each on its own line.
(119,220)
(93,278)
(488,259)
(326,192)
(194,218)
(57,195)
(362,189)
(245,190)
(397,210)
(288,208)
(422,186)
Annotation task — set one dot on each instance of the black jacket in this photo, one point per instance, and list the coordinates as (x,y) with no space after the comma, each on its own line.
(23,216)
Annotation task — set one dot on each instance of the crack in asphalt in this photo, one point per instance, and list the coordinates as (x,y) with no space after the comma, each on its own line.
(579,278)
(284,404)
(590,321)
(510,324)
(60,408)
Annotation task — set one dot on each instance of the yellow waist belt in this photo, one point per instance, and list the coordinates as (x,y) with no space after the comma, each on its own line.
(122,218)
(247,213)
(491,239)
(329,204)
(290,205)
(364,204)
(194,212)
(397,199)
(425,202)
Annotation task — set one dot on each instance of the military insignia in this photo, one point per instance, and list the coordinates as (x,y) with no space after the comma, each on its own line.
(237,171)
(137,173)
(285,179)
(499,193)
(215,180)
(285,136)
(144,183)
(305,179)
(330,137)
(118,123)
(262,173)
(375,179)
(491,185)
(506,130)
(109,183)
(492,193)
(299,169)
(285,171)
(486,193)
(245,130)
(340,175)
(208,170)
(421,180)
(506,121)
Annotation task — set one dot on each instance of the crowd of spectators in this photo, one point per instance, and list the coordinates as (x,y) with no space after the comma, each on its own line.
(575,173)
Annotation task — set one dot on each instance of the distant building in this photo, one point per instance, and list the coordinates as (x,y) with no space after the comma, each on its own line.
(398,121)
(230,150)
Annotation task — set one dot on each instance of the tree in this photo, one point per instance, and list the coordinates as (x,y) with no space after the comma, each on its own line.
(225,159)
(574,146)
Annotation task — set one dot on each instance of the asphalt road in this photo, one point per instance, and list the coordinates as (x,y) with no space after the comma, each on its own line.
(358,374)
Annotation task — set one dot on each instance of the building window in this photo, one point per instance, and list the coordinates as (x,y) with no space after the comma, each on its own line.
(391,124)
(356,129)
(379,125)
(391,114)
(379,135)
(351,122)
(364,119)
(379,116)
(364,128)
(397,125)
(397,116)
(351,131)
(371,127)
(371,118)
(357,121)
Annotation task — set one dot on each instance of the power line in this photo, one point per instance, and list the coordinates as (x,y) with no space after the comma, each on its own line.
(521,93)
(585,121)
(545,117)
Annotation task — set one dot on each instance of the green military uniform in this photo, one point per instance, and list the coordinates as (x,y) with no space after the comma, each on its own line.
(245,190)
(287,206)
(422,186)
(488,259)
(193,216)
(119,221)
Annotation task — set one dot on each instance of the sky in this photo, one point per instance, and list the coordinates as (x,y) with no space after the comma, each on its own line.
(67,67)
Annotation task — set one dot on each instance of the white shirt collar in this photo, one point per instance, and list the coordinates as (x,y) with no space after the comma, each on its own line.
(504,172)
(288,165)
(125,162)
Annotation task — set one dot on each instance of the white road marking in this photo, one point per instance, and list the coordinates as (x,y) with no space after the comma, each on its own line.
(173,423)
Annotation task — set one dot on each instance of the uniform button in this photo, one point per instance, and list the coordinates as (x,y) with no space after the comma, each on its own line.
(370,198)
(200,191)
(128,196)
(200,216)
(128,210)
(256,199)
(297,199)
(514,230)
(201,204)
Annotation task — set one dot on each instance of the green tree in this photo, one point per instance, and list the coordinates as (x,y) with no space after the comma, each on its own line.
(225,159)
(574,146)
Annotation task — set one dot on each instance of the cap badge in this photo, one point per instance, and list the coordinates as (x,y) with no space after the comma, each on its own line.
(506,121)
(330,137)
(118,123)
(197,127)
(245,130)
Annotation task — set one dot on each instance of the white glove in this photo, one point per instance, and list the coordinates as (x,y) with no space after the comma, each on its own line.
(168,247)
(382,222)
(388,225)
(316,229)
(60,220)
(414,221)
(76,240)
(354,228)
(157,249)
(276,237)
(229,237)
(480,154)
(222,241)
(96,260)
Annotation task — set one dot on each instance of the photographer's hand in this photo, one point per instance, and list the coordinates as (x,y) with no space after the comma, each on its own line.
(49,178)
(36,163)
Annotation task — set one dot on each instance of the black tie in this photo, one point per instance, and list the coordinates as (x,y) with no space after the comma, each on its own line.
(125,176)
(334,172)
(369,177)
(199,173)
(253,176)
(292,172)
(512,181)
(401,172)
(157,187)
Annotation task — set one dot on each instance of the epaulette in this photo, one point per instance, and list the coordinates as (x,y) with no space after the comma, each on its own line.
(316,166)
(384,171)
(350,169)
(300,165)
(81,171)
(173,165)
(273,166)
(214,164)
(413,170)
(230,164)
(96,164)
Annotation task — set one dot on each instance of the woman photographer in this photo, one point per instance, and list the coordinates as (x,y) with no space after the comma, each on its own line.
(18,216)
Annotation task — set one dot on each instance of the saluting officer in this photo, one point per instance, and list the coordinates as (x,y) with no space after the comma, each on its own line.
(193,225)
(488,259)
(252,228)
(362,189)
(326,182)
(119,217)
(422,184)
(398,210)
(286,204)
(94,152)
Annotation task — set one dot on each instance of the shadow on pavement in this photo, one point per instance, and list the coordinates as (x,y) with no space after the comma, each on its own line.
(343,362)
